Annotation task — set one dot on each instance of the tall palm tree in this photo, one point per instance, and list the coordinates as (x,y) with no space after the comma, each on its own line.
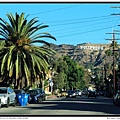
(20,58)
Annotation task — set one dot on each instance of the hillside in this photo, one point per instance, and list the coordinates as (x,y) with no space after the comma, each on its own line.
(85,53)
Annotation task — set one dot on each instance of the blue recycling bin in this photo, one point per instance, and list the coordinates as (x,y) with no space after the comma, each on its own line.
(23,99)
(26,98)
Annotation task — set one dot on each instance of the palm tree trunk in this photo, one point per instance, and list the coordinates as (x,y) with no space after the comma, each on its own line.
(28,82)
(43,83)
(19,83)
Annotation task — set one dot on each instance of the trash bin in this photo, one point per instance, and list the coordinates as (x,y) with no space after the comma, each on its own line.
(26,98)
(23,99)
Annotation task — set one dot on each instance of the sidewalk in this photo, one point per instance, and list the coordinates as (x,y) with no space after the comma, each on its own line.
(51,96)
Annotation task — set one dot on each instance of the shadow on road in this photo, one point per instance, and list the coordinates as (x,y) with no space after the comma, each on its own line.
(80,104)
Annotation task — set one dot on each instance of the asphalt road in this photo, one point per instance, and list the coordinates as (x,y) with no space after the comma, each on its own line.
(66,106)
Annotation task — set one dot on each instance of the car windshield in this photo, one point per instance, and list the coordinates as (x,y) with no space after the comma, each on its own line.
(70,91)
(17,91)
(3,91)
(77,90)
(32,92)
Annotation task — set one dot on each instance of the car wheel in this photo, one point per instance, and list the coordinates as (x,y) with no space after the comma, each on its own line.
(39,100)
(15,102)
(44,98)
(0,104)
(113,102)
(117,103)
(8,102)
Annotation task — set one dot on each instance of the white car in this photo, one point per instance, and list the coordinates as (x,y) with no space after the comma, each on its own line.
(7,96)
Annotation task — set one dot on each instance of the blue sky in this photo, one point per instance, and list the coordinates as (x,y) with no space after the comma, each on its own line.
(71,23)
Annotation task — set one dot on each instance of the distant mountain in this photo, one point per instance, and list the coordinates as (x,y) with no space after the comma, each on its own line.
(85,53)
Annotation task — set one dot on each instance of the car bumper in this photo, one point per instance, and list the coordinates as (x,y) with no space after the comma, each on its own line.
(71,95)
(3,101)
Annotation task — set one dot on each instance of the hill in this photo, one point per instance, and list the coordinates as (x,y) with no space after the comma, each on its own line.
(86,54)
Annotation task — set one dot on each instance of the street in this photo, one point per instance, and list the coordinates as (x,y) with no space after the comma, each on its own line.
(66,106)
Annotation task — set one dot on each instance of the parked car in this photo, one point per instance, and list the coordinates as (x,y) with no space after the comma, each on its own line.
(97,93)
(78,92)
(7,96)
(116,99)
(35,95)
(84,92)
(92,93)
(71,93)
(101,93)
(63,93)
(42,92)
(20,93)
(58,94)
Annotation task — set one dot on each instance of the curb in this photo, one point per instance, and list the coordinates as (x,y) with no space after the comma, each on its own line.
(51,96)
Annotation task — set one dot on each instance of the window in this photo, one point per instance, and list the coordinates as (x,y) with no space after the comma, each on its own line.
(3,90)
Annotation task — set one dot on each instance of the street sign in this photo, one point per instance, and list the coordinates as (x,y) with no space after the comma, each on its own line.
(50,80)
(51,83)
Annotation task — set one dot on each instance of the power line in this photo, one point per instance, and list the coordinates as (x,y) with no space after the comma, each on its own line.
(73,28)
(87,31)
(94,17)
(54,10)
(78,22)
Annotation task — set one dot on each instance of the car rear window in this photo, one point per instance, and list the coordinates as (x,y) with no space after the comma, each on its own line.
(17,91)
(70,91)
(3,90)
(33,92)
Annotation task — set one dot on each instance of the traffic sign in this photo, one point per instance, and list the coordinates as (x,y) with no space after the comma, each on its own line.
(51,83)
(50,80)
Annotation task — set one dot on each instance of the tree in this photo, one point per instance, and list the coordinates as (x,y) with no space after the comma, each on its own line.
(75,74)
(68,74)
(20,58)
(98,78)
(60,66)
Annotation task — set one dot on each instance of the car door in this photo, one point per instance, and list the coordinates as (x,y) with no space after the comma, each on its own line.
(9,94)
(12,95)
(43,94)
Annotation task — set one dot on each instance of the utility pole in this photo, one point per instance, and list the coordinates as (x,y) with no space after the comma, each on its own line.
(115,7)
(113,41)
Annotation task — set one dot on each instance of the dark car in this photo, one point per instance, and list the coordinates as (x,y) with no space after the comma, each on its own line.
(71,93)
(78,92)
(35,96)
(92,94)
(101,93)
(42,92)
(116,99)
(20,93)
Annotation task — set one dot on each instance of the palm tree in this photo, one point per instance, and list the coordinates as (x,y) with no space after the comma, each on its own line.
(20,58)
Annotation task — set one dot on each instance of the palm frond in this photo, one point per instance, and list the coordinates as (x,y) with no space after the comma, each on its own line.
(9,57)
(3,63)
